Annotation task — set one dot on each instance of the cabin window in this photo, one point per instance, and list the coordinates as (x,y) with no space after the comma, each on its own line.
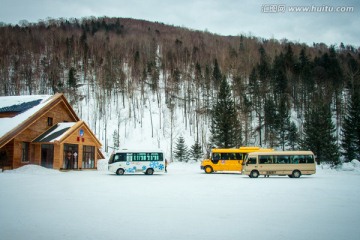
(3,158)
(50,121)
(25,151)
(88,157)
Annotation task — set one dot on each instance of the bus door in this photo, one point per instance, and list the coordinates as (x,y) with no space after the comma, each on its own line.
(216,161)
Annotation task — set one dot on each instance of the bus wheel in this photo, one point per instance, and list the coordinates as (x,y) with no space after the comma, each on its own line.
(120,171)
(149,171)
(208,169)
(296,174)
(254,174)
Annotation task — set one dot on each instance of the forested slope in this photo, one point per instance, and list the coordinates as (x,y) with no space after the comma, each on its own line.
(125,74)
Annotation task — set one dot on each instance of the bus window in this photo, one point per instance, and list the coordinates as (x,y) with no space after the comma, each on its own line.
(224,156)
(156,157)
(119,157)
(238,156)
(251,160)
(294,160)
(309,159)
(216,156)
(282,159)
(265,159)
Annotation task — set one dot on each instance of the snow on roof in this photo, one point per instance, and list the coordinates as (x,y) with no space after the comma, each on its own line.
(7,124)
(18,100)
(20,107)
(55,133)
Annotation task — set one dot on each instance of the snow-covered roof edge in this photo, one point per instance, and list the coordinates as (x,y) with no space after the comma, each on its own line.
(11,127)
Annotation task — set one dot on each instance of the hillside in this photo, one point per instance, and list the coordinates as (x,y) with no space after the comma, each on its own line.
(149,83)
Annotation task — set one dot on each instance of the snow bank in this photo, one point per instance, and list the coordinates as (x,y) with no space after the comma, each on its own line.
(349,167)
(33,169)
(354,165)
(102,165)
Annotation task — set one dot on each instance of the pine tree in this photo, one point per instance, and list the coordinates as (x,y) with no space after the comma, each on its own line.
(351,129)
(181,151)
(271,122)
(283,123)
(196,151)
(217,75)
(319,134)
(72,81)
(292,137)
(256,99)
(225,127)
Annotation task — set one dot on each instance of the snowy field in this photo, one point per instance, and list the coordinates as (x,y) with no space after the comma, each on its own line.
(185,203)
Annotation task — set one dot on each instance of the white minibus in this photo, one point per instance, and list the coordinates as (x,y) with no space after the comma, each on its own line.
(127,161)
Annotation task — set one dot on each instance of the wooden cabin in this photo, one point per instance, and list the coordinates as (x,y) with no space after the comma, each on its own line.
(45,130)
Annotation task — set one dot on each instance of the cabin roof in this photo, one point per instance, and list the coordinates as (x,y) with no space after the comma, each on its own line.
(26,105)
(55,133)
(32,107)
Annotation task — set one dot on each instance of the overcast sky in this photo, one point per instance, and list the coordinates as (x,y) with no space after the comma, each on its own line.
(329,21)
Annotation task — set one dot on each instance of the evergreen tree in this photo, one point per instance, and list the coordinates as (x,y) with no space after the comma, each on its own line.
(181,151)
(283,123)
(256,99)
(319,134)
(292,137)
(225,127)
(306,77)
(279,80)
(217,75)
(72,78)
(263,67)
(271,122)
(196,152)
(351,129)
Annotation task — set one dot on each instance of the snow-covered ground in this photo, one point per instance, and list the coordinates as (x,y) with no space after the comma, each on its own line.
(185,203)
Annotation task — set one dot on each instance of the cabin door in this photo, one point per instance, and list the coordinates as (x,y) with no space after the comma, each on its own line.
(71,152)
(47,155)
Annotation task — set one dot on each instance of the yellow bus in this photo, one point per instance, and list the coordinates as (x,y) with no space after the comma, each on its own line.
(291,163)
(228,159)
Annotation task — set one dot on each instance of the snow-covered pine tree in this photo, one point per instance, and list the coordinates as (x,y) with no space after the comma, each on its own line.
(181,151)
